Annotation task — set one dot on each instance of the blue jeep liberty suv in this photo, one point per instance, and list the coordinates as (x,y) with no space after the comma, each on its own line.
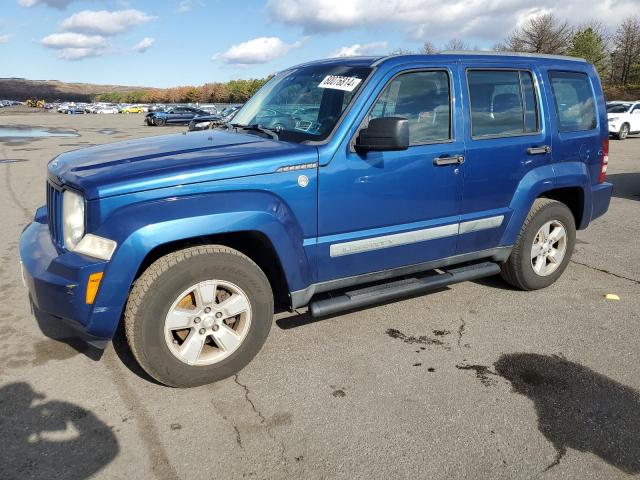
(375,178)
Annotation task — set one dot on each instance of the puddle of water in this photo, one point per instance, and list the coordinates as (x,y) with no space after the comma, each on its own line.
(33,132)
(16,160)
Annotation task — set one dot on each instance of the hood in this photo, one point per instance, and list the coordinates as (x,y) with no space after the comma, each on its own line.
(170,160)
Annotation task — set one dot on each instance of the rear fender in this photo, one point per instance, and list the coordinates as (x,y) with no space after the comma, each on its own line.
(534,185)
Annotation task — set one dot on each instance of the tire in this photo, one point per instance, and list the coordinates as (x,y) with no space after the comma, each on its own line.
(624,132)
(160,288)
(160,122)
(519,269)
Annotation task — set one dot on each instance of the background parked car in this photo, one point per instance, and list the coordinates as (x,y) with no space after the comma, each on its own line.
(624,118)
(106,110)
(205,122)
(174,115)
(132,109)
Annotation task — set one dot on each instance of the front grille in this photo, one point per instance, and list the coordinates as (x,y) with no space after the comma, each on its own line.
(54,213)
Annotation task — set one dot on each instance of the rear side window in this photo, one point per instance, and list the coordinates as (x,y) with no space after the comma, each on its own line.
(423,98)
(574,101)
(503,103)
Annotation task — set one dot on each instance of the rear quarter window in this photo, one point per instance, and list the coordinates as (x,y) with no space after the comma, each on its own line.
(574,100)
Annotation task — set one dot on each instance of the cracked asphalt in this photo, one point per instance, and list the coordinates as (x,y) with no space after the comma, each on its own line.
(473,381)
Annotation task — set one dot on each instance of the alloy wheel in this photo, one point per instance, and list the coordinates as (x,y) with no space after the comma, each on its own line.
(549,248)
(207,322)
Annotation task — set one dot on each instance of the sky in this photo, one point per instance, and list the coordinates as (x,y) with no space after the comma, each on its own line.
(163,43)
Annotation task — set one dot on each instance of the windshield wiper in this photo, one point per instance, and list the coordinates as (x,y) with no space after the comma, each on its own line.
(256,128)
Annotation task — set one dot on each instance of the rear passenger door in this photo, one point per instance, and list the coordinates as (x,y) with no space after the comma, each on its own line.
(505,139)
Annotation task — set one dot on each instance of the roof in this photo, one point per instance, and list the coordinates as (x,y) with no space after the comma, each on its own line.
(486,56)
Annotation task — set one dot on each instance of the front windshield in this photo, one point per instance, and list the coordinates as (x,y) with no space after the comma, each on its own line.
(303,103)
(618,107)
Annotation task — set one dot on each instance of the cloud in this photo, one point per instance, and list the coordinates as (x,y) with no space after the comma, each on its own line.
(5,38)
(103,22)
(59,4)
(258,50)
(144,44)
(360,49)
(186,5)
(76,46)
(435,19)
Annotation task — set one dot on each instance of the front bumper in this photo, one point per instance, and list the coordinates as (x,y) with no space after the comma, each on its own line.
(56,279)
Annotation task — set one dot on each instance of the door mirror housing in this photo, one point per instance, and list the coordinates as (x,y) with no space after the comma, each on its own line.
(384,134)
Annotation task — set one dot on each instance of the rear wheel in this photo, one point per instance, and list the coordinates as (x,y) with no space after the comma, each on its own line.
(198,315)
(543,248)
(624,132)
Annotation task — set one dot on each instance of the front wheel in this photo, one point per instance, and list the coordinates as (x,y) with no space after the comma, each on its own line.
(198,315)
(543,248)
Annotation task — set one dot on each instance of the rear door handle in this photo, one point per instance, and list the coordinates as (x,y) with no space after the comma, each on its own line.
(539,150)
(452,160)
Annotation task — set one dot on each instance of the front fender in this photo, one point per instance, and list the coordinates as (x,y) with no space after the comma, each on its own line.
(539,181)
(141,227)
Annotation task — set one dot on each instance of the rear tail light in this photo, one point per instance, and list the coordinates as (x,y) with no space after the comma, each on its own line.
(604,161)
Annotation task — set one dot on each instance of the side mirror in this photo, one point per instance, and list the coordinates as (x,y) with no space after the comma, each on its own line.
(384,134)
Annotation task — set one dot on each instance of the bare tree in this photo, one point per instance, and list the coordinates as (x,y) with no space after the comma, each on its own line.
(428,48)
(402,51)
(625,59)
(541,34)
(456,44)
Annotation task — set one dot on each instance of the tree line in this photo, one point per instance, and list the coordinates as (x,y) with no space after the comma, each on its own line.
(234,91)
(615,54)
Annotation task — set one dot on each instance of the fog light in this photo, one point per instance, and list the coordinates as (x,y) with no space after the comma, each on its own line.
(95,246)
(92,287)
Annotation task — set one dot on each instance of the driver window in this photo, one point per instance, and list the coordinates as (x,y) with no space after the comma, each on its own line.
(423,98)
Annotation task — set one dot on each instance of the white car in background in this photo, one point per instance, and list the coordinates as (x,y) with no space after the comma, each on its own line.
(105,110)
(624,118)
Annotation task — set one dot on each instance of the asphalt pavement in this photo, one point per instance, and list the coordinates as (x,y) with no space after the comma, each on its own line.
(470,382)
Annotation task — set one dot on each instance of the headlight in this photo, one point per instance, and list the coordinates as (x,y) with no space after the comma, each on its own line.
(72,218)
(611,119)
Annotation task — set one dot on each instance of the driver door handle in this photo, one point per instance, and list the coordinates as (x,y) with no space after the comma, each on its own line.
(539,150)
(452,160)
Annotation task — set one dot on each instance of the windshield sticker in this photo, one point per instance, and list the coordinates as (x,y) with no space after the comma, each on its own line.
(348,84)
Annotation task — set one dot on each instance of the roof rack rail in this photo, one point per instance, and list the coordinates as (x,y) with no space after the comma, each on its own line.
(511,54)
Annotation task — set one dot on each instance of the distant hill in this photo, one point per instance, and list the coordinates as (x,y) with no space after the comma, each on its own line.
(52,90)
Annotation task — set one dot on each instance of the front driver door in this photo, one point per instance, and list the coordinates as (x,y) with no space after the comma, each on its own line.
(383,210)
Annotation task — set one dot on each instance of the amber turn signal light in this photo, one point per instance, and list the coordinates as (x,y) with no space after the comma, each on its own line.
(92,287)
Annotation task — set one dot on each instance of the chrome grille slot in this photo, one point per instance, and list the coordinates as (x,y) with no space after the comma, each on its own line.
(54,213)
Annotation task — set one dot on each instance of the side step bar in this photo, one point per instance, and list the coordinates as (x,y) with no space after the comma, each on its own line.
(401,288)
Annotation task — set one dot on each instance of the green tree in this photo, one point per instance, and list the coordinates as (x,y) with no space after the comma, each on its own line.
(589,43)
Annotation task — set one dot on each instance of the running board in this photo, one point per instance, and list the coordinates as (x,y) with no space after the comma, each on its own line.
(401,288)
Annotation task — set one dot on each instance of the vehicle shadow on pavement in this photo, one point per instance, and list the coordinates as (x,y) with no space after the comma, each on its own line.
(55,329)
(50,439)
(625,185)
(578,408)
